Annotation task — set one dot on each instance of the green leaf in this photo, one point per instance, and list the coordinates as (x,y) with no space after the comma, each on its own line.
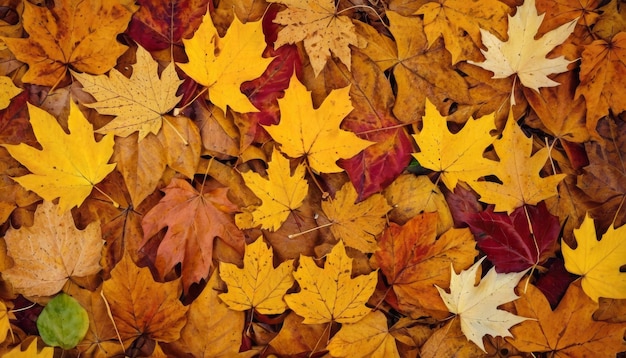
(63,322)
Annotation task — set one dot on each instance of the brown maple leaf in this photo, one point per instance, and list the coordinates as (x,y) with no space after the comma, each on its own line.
(194,219)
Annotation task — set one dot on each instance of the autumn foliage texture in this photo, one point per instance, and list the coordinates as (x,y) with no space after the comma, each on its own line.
(312,178)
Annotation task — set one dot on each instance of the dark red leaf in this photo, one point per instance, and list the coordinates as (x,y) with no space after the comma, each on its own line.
(159,24)
(507,240)
(555,282)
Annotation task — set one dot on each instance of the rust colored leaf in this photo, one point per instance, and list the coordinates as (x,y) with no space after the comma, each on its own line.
(194,220)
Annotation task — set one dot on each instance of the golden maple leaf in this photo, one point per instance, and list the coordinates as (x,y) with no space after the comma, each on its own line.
(477,306)
(315,133)
(521,54)
(319,25)
(70,164)
(518,170)
(30,352)
(222,64)
(258,284)
(61,251)
(368,337)
(330,293)
(357,224)
(7,91)
(75,33)
(280,193)
(598,262)
(139,103)
(459,23)
(456,156)
(211,319)
(140,306)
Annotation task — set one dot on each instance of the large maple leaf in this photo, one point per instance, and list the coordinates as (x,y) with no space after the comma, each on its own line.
(459,23)
(193,220)
(72,33)
(357,224)
(222,64)
(142,307)
(315,133)
(59,253)
(518,241)
(519,171)
(598,262)
(258,284)
(330,293)
(567,331)
(521,54)
(413,261)
(139,102)
(457,156)
(69,165)
(323,30)
(280,193)
(477,306)
(603,78)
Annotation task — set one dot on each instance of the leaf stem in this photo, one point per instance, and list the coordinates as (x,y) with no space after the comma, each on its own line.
(115,203)
(180,135)
(291,236)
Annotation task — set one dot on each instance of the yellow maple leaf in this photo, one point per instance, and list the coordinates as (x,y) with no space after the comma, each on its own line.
(521,54)
(70,164)
(258,284)
(140,102)
(330,293)
(30,352)
(459,23)
(456,156)
(319,25)
(60,252)
(5,324)
(222,64)
(357,224)
(315,133)
(141,306)
(280,193)
(368,337)
(518,170)
(598,262)
(75,33)
(7,91)
(477,306)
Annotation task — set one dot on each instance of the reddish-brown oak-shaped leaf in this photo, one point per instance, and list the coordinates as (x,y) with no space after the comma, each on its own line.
(194,220)
(508,240)
(568,331)
(158,25)
(413,260)
(73,33)
(555,282)
(142,307)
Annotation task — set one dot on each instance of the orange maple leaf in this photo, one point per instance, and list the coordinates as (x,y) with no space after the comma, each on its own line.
(194,220)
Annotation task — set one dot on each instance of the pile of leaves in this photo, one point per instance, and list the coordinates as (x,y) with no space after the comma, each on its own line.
(321,178)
